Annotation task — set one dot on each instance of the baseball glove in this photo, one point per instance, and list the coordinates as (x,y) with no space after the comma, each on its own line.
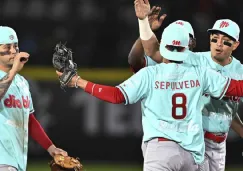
(65,163)
(63,62)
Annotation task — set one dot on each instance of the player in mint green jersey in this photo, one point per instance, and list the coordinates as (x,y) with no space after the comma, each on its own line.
(137,59)
(170,93)
(17,119)
(218,115)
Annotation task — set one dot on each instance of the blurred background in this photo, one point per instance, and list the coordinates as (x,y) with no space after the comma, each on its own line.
(100,33)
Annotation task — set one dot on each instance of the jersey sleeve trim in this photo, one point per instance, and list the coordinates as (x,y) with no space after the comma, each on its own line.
(32,111)
(225,89)
(124,94)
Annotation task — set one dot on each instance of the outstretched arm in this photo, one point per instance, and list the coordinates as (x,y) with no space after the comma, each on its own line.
(136,56)
(107,93)
(149,41)
(219,86)
(130,91)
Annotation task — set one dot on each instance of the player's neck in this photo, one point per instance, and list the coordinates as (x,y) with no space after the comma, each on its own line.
(4,68)
(224,62)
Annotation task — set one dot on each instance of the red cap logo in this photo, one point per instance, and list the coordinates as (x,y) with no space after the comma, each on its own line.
(223,24)
(179,22)
(176,42)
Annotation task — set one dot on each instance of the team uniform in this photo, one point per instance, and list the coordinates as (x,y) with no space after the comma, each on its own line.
(171,104)
(171,100)
(217,114)
(149,62)
(15,107)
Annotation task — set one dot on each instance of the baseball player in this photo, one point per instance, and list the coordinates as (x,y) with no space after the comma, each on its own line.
(17,119)
(137,59)
(170,94)
(217,114)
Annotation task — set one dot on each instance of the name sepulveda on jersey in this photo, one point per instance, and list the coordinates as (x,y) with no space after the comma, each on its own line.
(176,85)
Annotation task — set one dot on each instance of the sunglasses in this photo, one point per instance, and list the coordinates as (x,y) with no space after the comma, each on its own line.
(225,42)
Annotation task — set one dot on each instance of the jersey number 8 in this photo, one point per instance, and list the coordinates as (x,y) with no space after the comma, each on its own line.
(182,105)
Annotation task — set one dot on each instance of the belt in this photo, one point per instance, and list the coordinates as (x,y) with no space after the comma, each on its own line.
(163,139)
(215,138)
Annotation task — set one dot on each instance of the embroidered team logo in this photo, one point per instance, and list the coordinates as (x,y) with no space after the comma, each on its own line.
(176,43)
(11,37)
(13,102)
(179,22)
(223,24)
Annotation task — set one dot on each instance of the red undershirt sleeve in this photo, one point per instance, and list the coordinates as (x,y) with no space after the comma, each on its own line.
(106,93)
(235,88)
(37,133)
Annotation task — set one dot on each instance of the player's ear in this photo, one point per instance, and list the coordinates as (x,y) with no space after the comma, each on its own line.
(235,45)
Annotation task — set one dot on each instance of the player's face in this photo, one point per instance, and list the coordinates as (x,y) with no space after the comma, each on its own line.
(221,46)
(7,54)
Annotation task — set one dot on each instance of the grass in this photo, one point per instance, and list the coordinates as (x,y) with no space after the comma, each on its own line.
(43,166)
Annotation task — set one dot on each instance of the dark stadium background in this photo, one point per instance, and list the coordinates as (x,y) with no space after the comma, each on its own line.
(101,34)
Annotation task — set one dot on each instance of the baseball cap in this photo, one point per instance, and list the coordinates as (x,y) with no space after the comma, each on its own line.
(174,35)
(7,35)
(228,27)
(186,25)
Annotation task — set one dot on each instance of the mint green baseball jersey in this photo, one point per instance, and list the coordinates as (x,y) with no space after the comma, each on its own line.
(217,114)
(15,107)
(171,99)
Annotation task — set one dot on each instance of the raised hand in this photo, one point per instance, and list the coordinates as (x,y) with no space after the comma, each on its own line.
(154,21)
(19,60)
(142,8)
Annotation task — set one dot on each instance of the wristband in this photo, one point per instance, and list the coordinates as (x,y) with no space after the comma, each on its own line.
(144,29)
